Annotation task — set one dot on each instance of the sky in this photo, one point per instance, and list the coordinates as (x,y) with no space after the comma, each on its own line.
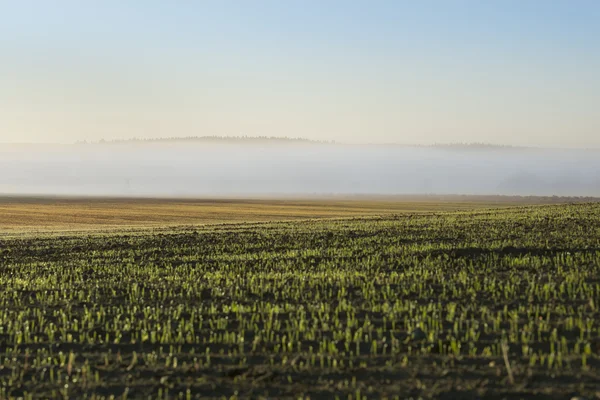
(517,72)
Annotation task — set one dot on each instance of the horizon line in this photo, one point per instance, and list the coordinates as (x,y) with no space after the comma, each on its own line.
(296,140)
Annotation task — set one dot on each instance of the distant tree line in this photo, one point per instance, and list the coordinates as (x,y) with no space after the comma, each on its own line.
(285,139)
(459,146)
(222,139)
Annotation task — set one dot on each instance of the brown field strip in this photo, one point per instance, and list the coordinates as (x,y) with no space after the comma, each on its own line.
(63,214)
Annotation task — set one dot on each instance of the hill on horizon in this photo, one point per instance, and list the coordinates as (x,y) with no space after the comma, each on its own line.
(293,140)
(219,139)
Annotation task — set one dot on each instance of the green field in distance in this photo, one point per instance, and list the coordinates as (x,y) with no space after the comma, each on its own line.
(32,214)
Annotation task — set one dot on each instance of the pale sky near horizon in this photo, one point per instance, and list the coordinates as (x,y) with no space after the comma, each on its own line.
(503,72)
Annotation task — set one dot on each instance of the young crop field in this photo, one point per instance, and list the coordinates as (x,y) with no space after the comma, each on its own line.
(489,303)
(20,214)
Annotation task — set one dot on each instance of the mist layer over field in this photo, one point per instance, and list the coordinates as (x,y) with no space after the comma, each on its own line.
(189,169)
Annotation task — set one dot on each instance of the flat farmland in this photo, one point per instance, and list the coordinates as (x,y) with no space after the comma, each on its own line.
(43,214)
(479,304)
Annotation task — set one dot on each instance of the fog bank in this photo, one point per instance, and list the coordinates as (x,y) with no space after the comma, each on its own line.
(188,169)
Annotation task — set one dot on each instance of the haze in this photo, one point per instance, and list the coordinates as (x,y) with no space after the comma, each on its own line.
(201,169)
(503,72)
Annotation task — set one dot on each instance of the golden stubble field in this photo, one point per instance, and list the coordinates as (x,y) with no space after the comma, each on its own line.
(43,214)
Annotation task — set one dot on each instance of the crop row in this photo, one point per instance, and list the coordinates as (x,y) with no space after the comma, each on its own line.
(487,303)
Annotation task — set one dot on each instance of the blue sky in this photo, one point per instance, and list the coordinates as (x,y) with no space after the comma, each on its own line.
(511,72)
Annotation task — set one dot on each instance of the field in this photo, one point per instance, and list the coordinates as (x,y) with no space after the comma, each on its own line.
(500,303)
(48,214)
